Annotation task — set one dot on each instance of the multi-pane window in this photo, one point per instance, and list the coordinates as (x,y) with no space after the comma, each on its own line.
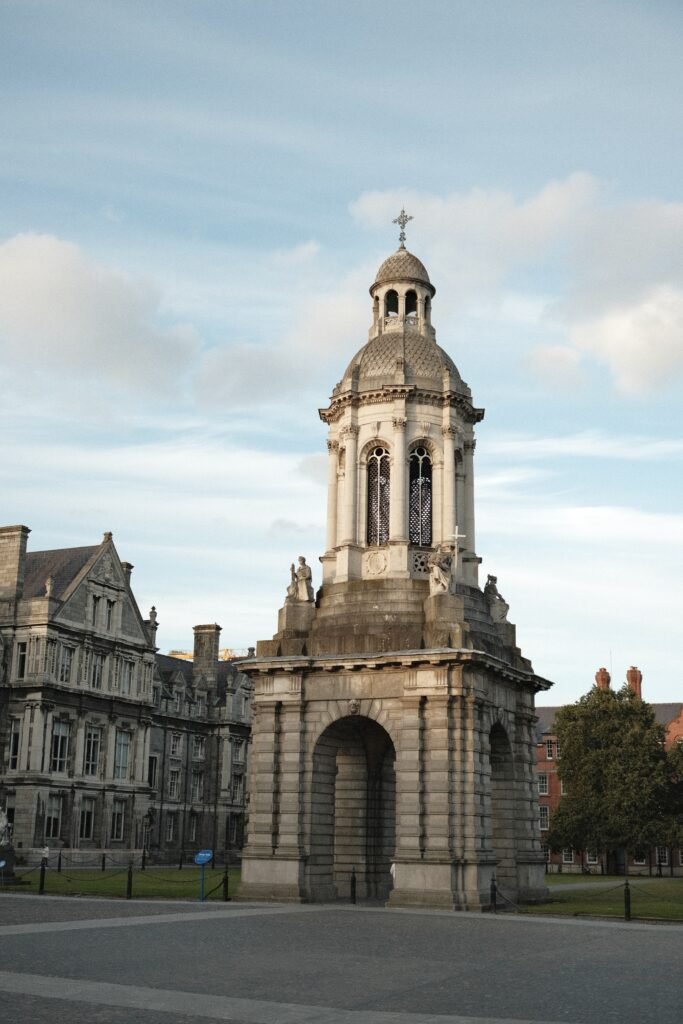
(567,855)
(237,789)
(177,698)
(91,750)
(53,816)
(95,609)
(197,785)
(420,500)
(174,783)
(22,656)
(118,814)
(549,749)
(378,496)
(65,664)
(662,856)
(543,784)
(175,744)
(591,857)
(14,737)
(639,860)
(557,748)
(199,747)
(127,669)
(543,818)
(110,615)
(171,822)
(238,751)
(97,671)
(59,749)
(121,754)
(152,771)
(87,822)
(201,707)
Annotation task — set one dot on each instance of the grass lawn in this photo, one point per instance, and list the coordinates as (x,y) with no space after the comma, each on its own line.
(166,882)
(650,900)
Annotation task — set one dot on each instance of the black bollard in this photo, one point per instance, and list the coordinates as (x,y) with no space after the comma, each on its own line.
(226,897)
(41,883)
(59,862)
(353,885)
(104,861)
(493,896)
(129,882)
(180,862)
(144,857)
(627,902)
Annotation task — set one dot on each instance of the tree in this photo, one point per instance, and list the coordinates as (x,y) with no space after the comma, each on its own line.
(621,789)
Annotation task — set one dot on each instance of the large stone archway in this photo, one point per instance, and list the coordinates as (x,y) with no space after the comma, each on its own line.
(353,810)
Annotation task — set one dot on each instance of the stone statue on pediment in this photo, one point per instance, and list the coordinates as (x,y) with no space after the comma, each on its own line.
(498,606)
(301,584)
(441,571)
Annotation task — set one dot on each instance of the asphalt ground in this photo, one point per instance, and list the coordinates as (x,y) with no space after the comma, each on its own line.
(105,962)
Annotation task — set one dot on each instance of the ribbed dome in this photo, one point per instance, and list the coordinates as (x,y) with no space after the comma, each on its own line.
(422,360)
(400,266)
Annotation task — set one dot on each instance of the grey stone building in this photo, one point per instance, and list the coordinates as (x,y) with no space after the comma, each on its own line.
(105,745)
(393,735)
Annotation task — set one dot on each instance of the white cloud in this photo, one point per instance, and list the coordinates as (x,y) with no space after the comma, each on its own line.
(298,255)
(587,444)
(63,314)
(556,365)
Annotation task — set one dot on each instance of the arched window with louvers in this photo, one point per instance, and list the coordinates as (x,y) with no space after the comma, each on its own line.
(378,496)
(420,498)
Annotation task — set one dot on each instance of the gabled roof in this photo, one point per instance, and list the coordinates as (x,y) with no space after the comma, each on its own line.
(169,668)
(63,564)
(664,713)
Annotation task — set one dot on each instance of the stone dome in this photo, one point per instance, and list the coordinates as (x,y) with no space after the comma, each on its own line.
(416,355)
(400,266)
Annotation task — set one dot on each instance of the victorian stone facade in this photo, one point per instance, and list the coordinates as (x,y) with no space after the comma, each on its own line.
(106,746)
(393,739)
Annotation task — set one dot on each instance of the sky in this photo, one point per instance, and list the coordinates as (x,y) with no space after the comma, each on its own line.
(194,199)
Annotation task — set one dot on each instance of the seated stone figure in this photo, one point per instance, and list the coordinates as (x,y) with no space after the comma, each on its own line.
(301,585)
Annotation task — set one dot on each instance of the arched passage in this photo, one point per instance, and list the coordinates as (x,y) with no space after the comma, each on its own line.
(353,810)
(503,806)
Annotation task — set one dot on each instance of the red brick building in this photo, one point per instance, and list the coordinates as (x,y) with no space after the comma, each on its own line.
(669,859)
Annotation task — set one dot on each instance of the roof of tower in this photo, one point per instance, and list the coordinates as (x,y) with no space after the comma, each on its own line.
(419,357)
(400,266)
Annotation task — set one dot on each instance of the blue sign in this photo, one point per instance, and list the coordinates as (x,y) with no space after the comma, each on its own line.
(203,857)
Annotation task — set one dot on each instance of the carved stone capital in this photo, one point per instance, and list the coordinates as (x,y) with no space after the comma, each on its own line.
(449,432)
(351,430)
(470,445)
(399,423)
(332,446)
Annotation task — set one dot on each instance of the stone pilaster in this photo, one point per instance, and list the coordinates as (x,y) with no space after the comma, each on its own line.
(332,489)
(448,527)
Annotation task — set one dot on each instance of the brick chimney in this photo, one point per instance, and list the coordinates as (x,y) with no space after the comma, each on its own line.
(634,678)
(205,659)
(13,540)
(602,679)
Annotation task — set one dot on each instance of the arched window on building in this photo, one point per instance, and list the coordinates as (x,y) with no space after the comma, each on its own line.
(420,501)
(411,302)
(378,496)
(391,303)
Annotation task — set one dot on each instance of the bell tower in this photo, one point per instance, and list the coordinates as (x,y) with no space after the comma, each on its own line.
(394,711)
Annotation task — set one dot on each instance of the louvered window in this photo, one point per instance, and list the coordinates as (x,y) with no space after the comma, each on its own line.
(420,509)
(378,496)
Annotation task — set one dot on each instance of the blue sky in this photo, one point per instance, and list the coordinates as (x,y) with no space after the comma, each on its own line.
(194,198)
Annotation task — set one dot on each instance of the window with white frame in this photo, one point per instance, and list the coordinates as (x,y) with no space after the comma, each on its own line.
(543,818)
(176,747)
(639,860)
(549,749)
(87,822)
(171,823)
(567,855)
(197,785)
(14,741)
(662,856)
(174,783)
(122,754)
(59,750)
(66,660)
(591,857)
(237,789)
(53,816)
(557,748)
(118,815)
(543,784)
(91,750)
(127,670)
(97,671)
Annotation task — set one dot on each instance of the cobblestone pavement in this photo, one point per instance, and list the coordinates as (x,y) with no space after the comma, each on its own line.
(107,962)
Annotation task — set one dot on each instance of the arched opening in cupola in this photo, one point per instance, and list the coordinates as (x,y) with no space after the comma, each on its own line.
(391,303)
(411,302)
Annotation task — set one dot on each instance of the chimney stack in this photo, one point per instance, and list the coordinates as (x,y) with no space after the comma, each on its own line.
(205,658)
(602,679)
(13,541)
(634,678)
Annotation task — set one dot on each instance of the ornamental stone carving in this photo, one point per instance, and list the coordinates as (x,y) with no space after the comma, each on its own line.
(498,607)
(301,585)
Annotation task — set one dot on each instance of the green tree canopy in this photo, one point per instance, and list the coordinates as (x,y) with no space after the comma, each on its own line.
(619,784)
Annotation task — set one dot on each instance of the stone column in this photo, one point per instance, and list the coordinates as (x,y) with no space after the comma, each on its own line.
(448,522)
(397,508)
(350,434)
(291,770)
(469,495)
(437,781)
(332,460)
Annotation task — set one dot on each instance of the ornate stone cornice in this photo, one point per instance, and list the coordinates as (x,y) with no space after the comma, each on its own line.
(350,430)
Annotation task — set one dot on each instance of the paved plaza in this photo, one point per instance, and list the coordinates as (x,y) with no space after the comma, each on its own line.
(71,960)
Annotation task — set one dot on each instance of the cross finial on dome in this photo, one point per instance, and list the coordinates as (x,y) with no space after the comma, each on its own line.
(402,220)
